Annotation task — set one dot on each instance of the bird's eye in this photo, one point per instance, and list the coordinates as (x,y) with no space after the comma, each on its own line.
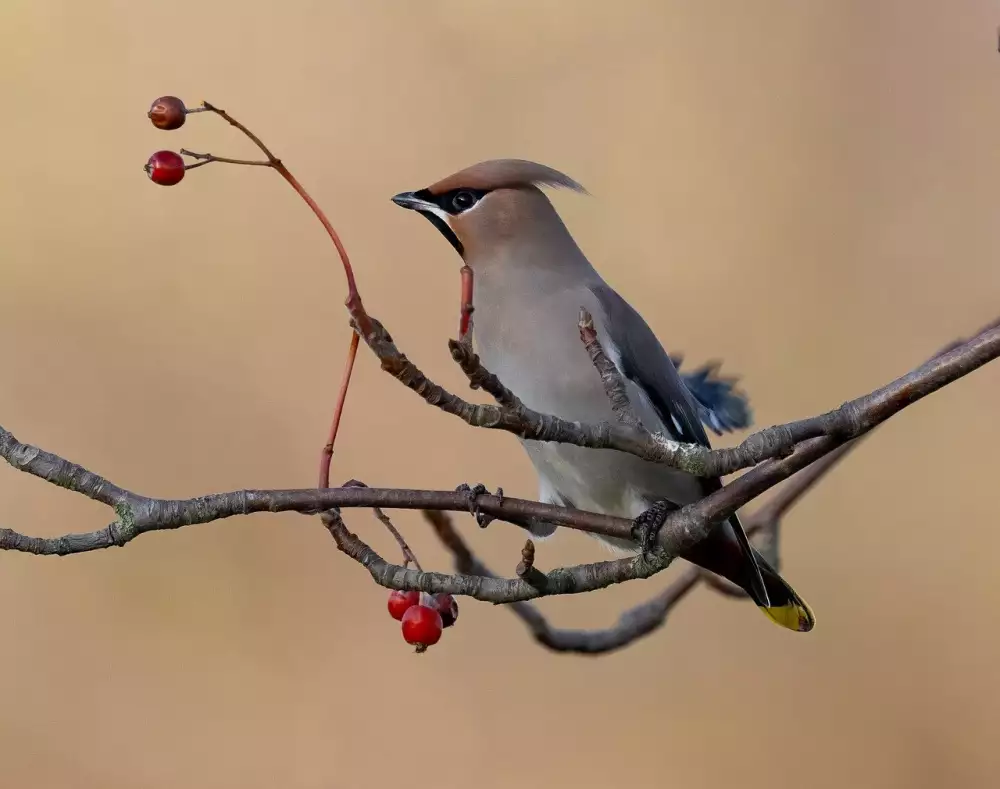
(463,201)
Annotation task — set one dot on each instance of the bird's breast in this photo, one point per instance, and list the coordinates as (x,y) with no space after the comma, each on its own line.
(542,360)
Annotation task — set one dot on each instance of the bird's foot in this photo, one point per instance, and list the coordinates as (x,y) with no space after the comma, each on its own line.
(646,528)
(472,494)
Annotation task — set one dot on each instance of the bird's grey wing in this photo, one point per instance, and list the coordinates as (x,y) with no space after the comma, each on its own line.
(721,406)
(643,361)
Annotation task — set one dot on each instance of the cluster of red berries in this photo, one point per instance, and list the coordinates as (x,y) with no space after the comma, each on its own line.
(166,168)
(424,616)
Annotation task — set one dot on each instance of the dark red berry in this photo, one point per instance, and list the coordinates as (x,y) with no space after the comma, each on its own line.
(401,602)
(447,606)
(168,113)
(422,626)
(165,168)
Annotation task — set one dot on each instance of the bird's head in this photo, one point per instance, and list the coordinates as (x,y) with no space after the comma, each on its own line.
(481,207)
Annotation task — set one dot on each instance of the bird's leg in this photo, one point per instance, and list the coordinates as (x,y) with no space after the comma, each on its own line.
(472,494)
(646,528)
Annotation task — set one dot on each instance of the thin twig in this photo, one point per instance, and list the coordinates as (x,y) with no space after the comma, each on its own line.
(233,122)
(326,456)
(481,378)
(611,378)
(526,569)
(208,158)
(409,557)
(353,300)
(466,307)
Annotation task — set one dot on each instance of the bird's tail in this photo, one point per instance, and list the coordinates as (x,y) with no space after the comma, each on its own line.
(722,553)
(785,607)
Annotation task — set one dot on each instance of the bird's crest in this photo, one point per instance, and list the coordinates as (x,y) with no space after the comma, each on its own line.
(505,174)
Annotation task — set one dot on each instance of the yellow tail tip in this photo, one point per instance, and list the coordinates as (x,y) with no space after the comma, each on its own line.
(795,616)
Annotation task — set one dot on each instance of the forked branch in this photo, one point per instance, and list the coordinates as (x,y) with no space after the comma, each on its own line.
(804,450)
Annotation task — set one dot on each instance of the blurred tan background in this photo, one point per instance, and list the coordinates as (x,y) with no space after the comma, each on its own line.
(807,190)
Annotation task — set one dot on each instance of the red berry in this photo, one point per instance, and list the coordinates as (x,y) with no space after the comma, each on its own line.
(422,626)
(401,602)
(167,112)
(447,606)
(165,168)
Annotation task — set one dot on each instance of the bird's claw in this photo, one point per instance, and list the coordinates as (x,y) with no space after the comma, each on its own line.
(472,494)
(646,528)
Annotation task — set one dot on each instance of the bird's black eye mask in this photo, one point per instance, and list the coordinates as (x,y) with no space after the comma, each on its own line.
(452,203)
(455,202)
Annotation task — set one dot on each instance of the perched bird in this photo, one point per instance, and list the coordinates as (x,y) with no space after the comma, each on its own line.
(531,281)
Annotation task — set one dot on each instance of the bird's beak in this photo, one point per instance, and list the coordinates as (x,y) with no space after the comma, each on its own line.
(411,201)
(435,215)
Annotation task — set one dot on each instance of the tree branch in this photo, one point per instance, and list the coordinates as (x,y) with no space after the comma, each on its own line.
(647,617)
(577,579)
(804,449)
(850,420)
(140,514)
(632,624)
(683,528)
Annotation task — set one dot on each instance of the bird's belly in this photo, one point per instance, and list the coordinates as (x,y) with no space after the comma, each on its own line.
(608,481)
